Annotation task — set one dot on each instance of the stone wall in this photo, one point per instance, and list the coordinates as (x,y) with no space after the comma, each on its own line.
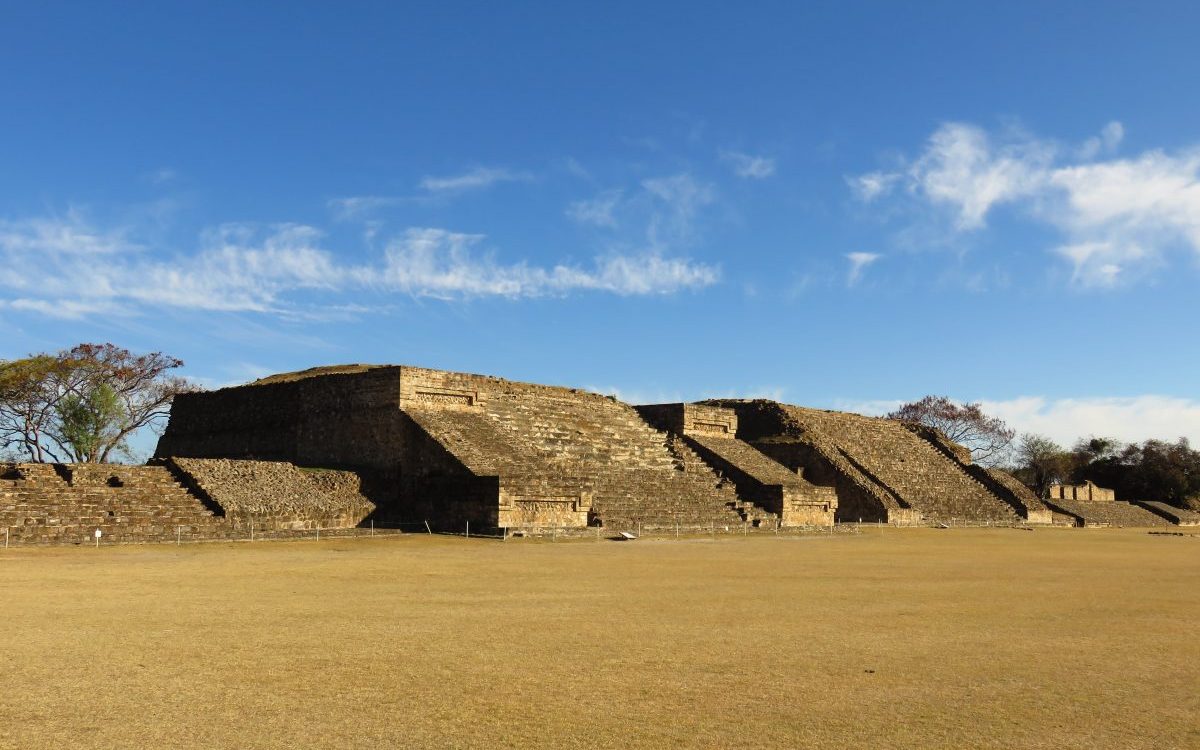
(1086,492)
(422,388)
(66,504)
(326,417)
(690,419)
(275,494)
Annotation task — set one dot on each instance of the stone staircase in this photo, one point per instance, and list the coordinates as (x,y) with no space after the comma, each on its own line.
(688,493)
(539,437)
(1168,512)
(65,504)
(1107,513)
(1020,496)
(756,475)
(908,466)
(754,515)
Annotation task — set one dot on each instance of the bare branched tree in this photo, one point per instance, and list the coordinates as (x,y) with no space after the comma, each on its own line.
(988,438)
(85,403)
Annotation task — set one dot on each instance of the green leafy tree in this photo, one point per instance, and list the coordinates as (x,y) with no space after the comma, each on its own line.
(1154,470)
(1042,462)
(87,422)
(83,404)
(28,399)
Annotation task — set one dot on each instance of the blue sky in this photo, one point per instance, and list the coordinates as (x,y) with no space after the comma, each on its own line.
(835,206)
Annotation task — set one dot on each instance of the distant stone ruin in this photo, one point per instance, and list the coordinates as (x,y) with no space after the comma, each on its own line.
(358,445)
(1090,505)
(1086,492)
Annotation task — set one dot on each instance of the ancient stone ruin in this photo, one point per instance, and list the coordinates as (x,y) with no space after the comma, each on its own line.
(348,446)
(65,503)
(1089,505)
(1086,492)
(458,448)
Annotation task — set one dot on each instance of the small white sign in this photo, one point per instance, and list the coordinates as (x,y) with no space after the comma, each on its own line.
(99,533)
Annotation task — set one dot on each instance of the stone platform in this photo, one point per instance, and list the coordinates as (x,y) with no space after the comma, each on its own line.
(357,445)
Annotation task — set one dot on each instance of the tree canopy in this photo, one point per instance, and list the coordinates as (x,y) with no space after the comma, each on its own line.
(988,438)
(1042,462)
(83,404)
(1153,470)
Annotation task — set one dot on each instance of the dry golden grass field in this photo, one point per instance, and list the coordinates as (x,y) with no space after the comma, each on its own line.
(916,638)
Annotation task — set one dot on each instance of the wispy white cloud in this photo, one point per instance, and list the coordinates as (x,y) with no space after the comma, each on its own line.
(575,168)
(1118,216)
(358,207)
(437,263)
(1130,419)
(678,199)
(1100,263)
(868,187)
(475,179)
(858,264)
(598,211)
(62,235)
(1105,143)
(748,165)
(962,168)
(160,176)
(354,207)
(66,268)
(63,309)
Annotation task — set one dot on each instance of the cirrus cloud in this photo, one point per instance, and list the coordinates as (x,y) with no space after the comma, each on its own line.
(858,264)
(475,179)
(67,268)
(1117,217)
(749,166)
